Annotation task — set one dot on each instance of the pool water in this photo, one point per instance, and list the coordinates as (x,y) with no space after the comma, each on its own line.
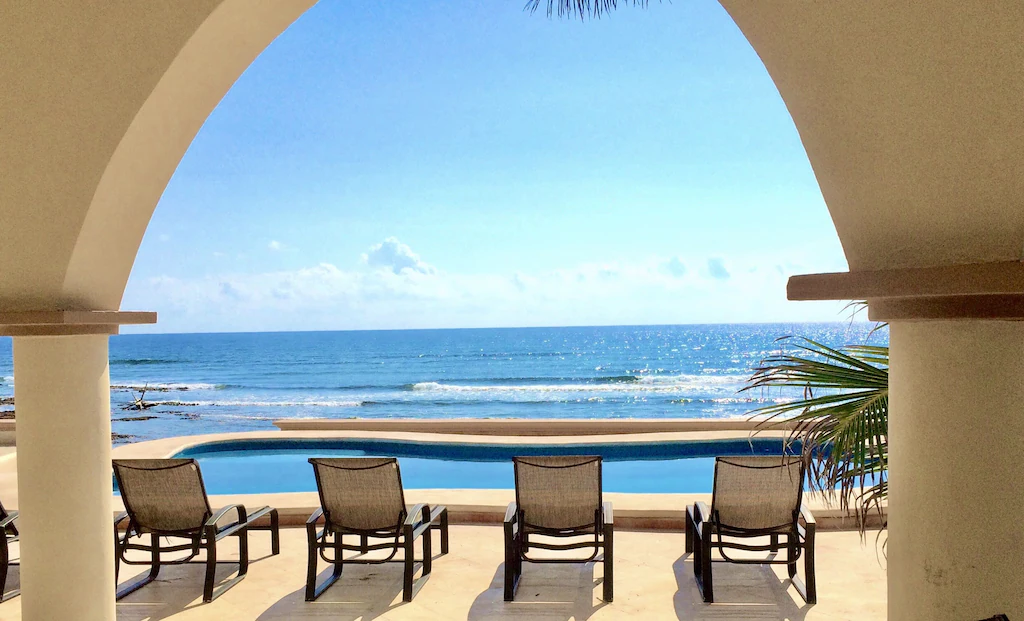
(266,466)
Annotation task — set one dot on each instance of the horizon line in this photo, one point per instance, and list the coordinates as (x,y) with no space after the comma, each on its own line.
(654,325)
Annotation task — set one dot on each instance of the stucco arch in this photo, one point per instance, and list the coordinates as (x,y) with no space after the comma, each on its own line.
(910,114)
(98,103)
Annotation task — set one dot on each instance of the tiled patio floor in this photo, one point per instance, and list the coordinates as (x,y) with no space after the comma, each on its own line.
(653,581)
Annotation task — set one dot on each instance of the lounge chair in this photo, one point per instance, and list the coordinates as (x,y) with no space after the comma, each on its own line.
(10,532)
(557,497)
(753,497)
(166,498)
(363,497)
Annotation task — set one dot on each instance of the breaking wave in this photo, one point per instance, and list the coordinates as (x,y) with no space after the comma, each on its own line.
(619,384)
(171,387)
(312,403)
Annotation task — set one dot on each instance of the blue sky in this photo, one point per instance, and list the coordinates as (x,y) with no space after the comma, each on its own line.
(464,163)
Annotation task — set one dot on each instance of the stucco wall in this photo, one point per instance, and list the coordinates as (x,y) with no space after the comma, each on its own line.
(910,113)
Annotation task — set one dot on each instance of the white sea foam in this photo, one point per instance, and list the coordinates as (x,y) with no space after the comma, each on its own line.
(161,387)
(328,403)
(645,384)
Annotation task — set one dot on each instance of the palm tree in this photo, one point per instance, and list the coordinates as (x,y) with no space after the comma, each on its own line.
(842,419)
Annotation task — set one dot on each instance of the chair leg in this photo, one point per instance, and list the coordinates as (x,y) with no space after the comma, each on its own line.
(243,552)
(275,532)
(211,567)
(410,565)
(311,565)
(809,589)
(154,569)
(513,564)
(428,552)
(774,543)
(364,544)
(702,565)
(312,590)
(339,559)
(311,573)
(609,564)
(444,531)
(117,552)
(688,546)
(4,560)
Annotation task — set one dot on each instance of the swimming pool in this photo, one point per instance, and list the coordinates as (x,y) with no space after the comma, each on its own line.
(266,466)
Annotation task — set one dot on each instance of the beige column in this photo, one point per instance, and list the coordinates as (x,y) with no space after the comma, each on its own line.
(956,502)
(62,391)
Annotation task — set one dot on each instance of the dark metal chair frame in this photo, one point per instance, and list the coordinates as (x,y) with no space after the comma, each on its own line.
(10,532)
(704,531)
(411,525)
(204,537)
(518,531)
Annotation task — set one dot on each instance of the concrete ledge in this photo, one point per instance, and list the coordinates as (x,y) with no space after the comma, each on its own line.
(530,427)
(7,435)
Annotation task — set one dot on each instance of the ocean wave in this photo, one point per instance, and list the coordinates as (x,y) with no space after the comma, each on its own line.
(132,362)
(646,384)
(313,403)
(526,382)
(239,417)
(170,387)
(733,400)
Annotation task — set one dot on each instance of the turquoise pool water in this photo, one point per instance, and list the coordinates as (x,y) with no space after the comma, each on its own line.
(264,466)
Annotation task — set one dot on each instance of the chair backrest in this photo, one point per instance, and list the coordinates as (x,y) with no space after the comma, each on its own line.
(163,495)
(360,493)
(757,493)
(559,492)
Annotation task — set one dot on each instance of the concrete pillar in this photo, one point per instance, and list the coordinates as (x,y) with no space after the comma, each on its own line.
(62,391)
(956,501)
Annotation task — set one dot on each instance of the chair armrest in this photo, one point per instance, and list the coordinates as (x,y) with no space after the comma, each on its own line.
(420,513)
(511,522)
(607,513)
(315,517)
(700,508)
(13,515)
(217,517)
(805,513)
(120,518)
(418,520)
(511,513)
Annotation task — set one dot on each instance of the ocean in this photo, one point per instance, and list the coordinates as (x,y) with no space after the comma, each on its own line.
(210,383)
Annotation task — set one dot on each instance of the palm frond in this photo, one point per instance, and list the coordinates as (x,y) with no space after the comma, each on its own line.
(580,8)
(841,420)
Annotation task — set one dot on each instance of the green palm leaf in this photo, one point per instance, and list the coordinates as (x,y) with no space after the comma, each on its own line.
(842,418)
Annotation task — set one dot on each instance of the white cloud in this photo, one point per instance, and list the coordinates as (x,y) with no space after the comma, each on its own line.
(395,288)
(394,255)
(717,269)
(275,245)
(674,267)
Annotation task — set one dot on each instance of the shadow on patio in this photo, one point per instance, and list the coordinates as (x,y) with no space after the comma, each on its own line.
(741,592)
(552,592)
